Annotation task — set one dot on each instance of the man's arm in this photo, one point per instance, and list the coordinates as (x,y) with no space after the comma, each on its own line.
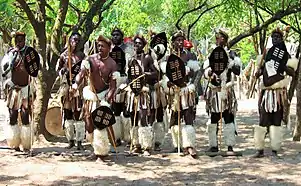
(85,66)
(112,84)
(235,65)
(153,74)
(60,66)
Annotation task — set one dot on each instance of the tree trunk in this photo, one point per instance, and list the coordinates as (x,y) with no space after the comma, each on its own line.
(44,84)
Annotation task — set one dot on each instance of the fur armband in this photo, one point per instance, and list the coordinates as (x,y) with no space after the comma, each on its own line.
(145,89)
(74,86)
(85,65)
(193,64)
(235,62)
(191,88)
(115,75)
(293,63)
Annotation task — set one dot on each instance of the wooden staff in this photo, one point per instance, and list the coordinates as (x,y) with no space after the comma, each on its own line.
(221,126)
(179,115)
(110,127)
(30,113)
(69,65)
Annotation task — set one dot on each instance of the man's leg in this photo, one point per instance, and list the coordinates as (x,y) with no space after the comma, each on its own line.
(175,131)
(69,127)
(12,132)
(276,131)
(134,133)
(229,130)
(117,127)
(212,132)
(79,130)
(188,132)
(260,132)
(26,131)
(159,129)
(145,133)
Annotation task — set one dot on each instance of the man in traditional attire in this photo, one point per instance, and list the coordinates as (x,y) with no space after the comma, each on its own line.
(138,103)
(273,96)
(102,72)
(73,126)
(19,90)
(120,52)
(221,96)
(158,99)
(185,96)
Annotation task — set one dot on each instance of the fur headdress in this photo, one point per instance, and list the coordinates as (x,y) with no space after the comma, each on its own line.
(16,34)
(104,39)
(222,33)
(177,34)
(279,31)
(140,36)
(116,29)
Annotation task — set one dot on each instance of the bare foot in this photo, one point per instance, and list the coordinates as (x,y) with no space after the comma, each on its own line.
(192,152)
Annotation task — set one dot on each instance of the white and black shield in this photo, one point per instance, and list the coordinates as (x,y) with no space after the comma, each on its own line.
(134,72)
(160,38)
(32,61)
(103,117)
(275,63)
(175,70)
(218,60)
(75,69)
(118,55)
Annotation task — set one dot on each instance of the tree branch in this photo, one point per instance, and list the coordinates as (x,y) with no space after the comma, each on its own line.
(270,12)
(192,24)
(277,16)
(29,14)
(88,26)
(104,8)
(50,8)
(57,31)
(107,6)
(188,12)
(78,11)
(297,21)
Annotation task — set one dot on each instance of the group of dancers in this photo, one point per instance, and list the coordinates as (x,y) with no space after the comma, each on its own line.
(121,94)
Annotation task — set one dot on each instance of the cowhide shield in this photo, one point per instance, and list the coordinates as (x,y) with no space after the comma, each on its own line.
(175,70)
(119,57)
(134,72)
(103,117)
(218,60)
(75,69)
(275,62)
(160,38)
(32,61)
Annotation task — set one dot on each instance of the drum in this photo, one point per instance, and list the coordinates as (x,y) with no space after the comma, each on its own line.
(53,119)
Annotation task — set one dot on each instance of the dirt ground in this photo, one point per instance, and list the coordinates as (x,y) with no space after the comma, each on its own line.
(52,164)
